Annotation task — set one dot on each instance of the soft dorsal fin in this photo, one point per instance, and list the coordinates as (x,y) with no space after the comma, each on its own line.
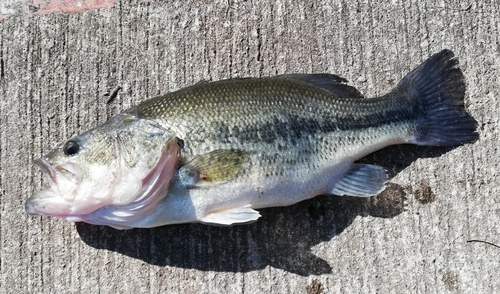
(332,83)
(213,167)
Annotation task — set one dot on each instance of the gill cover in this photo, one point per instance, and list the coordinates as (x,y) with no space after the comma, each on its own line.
(154,188)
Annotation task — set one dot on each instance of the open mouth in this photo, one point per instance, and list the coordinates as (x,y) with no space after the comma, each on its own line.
(63,179)
(56,200)
(48,171)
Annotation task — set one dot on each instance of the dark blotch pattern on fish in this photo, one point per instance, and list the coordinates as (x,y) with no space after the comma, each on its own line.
(294,128)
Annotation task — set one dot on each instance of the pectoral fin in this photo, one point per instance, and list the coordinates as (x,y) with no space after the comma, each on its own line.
(214,167)
(237,215)
(361,180)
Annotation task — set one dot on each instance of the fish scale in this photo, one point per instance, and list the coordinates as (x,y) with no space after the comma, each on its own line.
(270,115)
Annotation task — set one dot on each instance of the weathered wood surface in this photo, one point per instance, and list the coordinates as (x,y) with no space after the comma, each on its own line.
(57,68)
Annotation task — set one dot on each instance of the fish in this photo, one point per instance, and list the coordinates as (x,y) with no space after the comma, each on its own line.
(216,152)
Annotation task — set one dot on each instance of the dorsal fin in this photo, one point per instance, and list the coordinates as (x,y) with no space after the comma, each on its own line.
(332,83)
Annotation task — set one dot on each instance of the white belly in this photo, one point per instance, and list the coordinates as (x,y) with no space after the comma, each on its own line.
(195,204)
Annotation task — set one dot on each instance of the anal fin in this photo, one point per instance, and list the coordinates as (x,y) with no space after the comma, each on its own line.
(238,215)
(361,180)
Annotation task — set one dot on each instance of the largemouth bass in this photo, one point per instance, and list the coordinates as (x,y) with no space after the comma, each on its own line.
(215,152)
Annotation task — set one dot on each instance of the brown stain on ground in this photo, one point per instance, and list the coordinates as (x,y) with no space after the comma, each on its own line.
(424,194)
(315,288)
(388,203)
(450,279)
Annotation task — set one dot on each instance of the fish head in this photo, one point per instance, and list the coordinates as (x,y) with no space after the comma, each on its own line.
(110,165)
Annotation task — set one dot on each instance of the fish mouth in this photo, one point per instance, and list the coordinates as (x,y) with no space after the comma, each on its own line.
(56,200)
(59,176)
(47,170)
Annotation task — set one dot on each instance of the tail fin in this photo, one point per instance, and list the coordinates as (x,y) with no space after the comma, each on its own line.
(437,89)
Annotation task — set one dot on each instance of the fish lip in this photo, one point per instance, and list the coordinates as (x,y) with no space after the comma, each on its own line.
(31,208)
(54,175)
(52,172)
(47,169)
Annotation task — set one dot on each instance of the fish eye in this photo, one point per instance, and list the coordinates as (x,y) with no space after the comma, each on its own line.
(71,148)
(180,142)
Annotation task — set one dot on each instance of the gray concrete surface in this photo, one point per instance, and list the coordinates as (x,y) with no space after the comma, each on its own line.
(57,68)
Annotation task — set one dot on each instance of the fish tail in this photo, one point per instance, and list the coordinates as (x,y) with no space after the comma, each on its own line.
(436,91)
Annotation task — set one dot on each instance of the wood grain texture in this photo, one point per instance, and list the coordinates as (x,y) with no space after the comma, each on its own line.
(56,71)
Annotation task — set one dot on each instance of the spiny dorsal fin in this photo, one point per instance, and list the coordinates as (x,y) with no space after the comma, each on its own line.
(213,167)
(332,83)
